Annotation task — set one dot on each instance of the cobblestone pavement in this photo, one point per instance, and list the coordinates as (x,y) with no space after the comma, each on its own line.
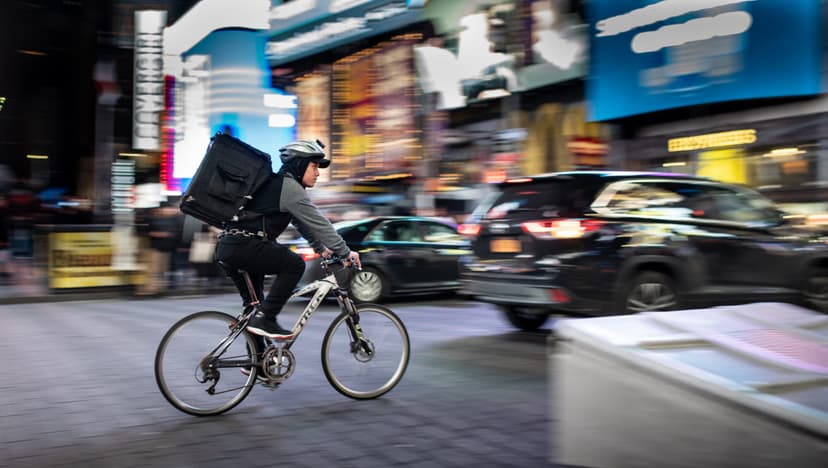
(78,389)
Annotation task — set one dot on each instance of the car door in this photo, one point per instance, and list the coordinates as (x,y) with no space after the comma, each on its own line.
(445,246)
(396,248)
(746,254)
(718,236)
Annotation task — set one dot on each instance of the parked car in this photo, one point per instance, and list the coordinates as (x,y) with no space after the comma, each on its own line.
(399,254)
(605,243)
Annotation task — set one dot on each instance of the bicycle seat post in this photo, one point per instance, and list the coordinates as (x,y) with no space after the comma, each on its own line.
(254,298)
(234,274)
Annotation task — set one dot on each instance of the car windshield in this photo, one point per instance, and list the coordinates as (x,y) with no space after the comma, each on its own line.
(481,209)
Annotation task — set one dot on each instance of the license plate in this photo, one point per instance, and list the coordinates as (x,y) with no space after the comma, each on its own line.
(505,246)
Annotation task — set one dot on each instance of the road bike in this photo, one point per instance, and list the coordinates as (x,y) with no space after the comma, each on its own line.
(207,363)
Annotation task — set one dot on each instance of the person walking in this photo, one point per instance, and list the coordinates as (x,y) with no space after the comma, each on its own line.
(250,243)
(164,232)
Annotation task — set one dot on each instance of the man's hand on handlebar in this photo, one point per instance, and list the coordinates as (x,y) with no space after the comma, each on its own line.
(353,260)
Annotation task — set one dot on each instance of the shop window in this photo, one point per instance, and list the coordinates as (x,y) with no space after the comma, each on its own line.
(781,167)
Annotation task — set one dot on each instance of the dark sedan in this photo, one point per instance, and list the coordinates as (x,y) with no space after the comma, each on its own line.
(400,255)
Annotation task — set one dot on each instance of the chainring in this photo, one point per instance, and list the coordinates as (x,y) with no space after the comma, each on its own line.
(277,364)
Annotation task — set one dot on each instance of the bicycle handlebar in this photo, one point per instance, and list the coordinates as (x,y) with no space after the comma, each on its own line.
(334,259)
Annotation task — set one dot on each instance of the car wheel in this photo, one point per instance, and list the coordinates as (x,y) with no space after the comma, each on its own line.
(525,318)
(815,291)
(649,291)
(368,285)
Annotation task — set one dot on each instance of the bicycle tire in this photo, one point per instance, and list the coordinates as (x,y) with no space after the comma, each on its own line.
(182,349)
(355,374)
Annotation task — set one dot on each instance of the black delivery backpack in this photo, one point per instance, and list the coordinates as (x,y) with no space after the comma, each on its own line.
(226,179)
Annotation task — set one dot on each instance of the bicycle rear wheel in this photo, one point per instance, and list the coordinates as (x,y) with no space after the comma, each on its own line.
(369,367)
(192,371)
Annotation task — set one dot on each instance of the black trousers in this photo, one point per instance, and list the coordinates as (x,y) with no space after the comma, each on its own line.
(260,257)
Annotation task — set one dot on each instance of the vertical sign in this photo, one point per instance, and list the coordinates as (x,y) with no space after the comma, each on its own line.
(148,93)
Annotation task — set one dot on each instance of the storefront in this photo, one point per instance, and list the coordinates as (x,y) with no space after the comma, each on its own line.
(785,158)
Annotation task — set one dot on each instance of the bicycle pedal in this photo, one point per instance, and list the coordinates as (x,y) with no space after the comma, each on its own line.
(271,385)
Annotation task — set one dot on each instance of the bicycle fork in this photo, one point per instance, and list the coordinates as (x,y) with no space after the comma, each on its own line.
(358,341)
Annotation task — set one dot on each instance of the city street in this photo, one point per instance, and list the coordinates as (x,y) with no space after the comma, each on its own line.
(78,390)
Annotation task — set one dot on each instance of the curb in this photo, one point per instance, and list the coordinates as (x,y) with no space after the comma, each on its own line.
(109,295)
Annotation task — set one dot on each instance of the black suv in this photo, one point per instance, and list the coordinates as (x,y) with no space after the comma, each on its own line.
(605,243)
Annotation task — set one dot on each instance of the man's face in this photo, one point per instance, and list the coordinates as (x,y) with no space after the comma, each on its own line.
(311,174)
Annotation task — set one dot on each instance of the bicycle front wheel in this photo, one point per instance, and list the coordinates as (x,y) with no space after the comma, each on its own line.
(369,360)
(199,362)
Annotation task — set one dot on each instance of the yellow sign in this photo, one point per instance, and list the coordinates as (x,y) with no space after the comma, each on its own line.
(83,260)
(726,165)
(712,140)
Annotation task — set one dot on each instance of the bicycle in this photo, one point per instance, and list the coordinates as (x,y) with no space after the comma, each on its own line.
(365,351)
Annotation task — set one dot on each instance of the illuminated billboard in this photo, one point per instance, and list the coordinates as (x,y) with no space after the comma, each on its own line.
(648,56)
(374,111)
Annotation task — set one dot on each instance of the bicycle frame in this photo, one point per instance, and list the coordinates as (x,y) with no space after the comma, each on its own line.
(322,287)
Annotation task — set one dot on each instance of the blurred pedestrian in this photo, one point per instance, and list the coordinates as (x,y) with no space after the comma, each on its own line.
(201,249)
(164,230)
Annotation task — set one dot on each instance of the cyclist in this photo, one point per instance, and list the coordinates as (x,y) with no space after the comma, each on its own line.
(250,243)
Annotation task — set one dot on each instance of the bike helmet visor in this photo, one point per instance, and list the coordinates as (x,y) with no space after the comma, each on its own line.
(304,149)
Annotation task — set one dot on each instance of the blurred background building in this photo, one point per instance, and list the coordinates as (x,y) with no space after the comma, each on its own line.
(423,102)
(107,106)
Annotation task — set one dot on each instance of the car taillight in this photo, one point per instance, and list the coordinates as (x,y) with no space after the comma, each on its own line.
(307,253)
(561,228)
(470,230)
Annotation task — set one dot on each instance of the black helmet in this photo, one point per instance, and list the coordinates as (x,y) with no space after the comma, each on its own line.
(305,149)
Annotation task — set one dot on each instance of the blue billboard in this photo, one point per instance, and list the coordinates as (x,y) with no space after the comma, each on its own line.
(653,55)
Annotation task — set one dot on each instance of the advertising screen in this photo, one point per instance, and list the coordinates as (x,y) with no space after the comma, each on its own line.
(648,56)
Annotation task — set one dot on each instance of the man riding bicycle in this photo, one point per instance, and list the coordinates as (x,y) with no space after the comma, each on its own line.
(250,243)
